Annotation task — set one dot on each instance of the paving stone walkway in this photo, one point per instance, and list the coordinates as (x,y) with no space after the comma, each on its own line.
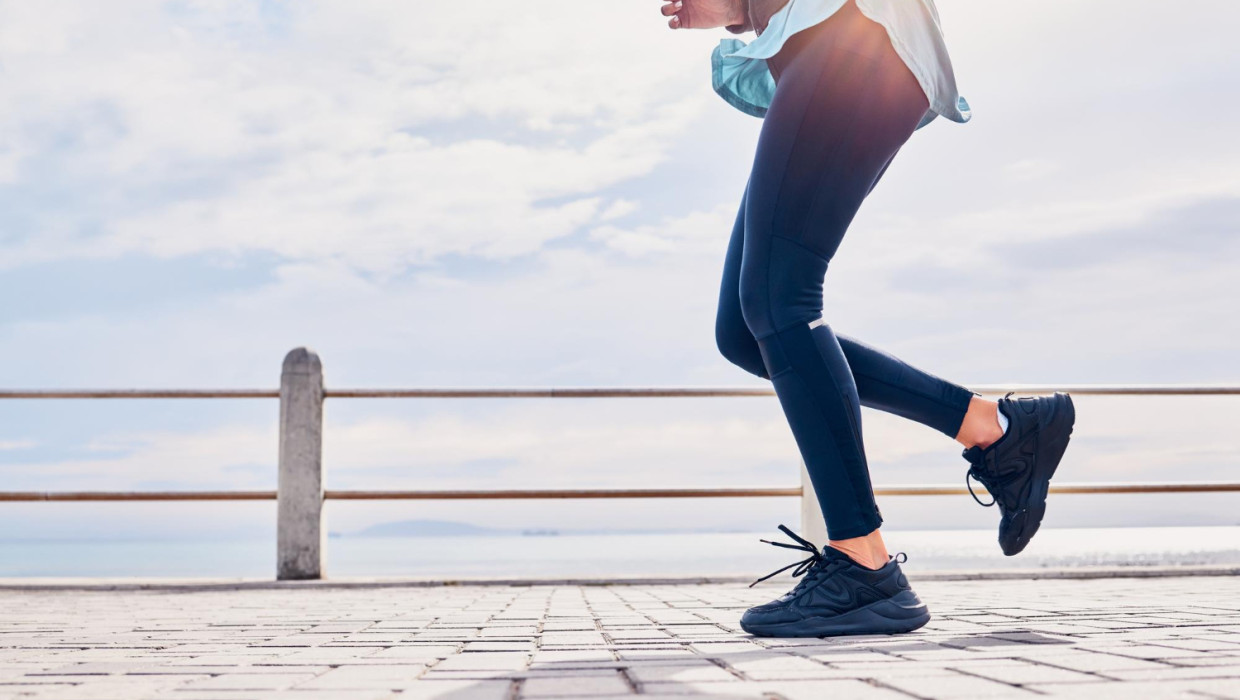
(1096,639)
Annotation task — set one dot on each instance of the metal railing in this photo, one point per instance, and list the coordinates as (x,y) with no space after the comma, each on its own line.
(300,492)
(518,494)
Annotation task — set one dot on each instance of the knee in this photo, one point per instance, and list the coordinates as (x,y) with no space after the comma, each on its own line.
(785,292)
(737,344)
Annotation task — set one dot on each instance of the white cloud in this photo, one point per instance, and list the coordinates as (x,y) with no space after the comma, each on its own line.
(1031,168)
(618,209)
(17,444)
(330,135)
(698,232)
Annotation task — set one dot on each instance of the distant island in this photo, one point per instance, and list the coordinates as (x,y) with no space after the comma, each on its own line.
(426,528)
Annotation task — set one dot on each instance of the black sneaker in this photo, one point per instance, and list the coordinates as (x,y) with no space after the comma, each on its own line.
(836,597)
(1017,468)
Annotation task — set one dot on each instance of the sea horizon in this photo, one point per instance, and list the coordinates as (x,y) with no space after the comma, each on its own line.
(601,554)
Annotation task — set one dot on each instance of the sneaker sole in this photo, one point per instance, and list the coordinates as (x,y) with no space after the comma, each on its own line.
(1026,522)
(903,612)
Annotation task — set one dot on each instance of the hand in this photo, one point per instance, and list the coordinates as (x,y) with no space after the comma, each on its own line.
(703,14)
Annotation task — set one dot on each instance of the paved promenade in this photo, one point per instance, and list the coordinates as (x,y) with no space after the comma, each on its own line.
(1096,639)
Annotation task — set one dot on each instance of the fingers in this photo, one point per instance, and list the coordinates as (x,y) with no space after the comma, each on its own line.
(671,10)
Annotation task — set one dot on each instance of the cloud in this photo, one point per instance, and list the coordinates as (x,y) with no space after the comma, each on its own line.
(1031,168)
(698,232)
(17,444)
(178,129)
(1199,234)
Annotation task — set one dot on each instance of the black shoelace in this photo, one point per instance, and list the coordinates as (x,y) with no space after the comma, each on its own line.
(814,559)
(976,474)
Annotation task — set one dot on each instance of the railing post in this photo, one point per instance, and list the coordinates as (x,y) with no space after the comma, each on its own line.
(299,527)
(813,525)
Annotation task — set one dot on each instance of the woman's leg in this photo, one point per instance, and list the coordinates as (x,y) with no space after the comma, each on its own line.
(841,112)
(883,381)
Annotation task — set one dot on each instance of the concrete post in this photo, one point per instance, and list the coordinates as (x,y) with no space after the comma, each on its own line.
(813,525)
(299,527)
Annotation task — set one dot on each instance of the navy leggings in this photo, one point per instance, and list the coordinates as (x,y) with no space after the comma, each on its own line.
(844,103)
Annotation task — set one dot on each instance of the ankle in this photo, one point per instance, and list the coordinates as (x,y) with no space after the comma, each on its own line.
(981,426)
(869,551)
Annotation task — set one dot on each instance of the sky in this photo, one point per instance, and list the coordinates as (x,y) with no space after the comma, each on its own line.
(467,194)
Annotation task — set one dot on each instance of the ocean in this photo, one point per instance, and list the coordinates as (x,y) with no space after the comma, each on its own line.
(594,555)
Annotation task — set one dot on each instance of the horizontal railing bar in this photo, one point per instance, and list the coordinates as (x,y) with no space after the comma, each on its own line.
(139,393)
(365,495)
(137,495)
(1107,487)
(562,493)
(1112,389)
(591,393)
(550,393)
(894,490)
(706,392)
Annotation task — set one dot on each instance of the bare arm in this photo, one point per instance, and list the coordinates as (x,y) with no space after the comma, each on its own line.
(708,14)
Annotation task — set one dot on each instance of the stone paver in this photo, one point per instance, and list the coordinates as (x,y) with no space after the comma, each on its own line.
(1094,639)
